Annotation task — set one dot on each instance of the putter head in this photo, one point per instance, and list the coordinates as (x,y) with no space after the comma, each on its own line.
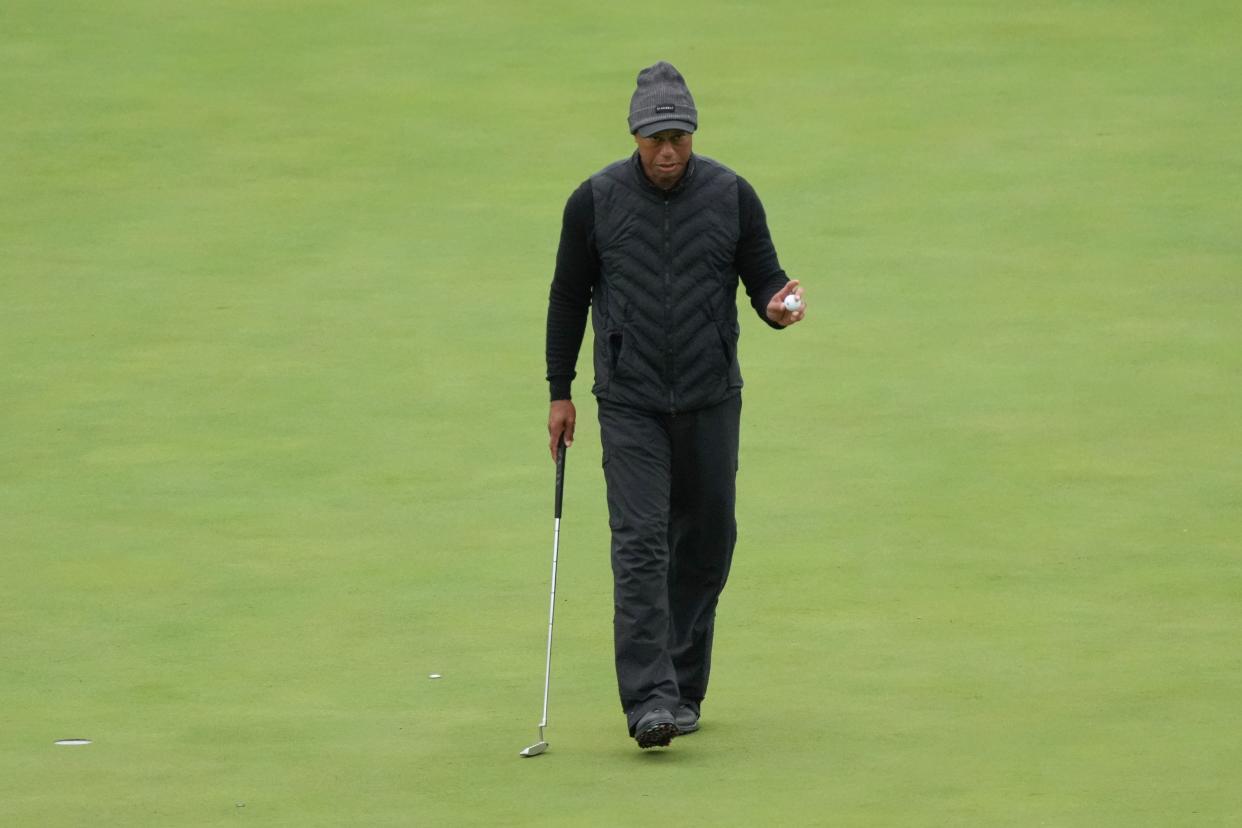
(535,749)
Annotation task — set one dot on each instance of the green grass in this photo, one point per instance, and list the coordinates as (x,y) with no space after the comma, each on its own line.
(262,470)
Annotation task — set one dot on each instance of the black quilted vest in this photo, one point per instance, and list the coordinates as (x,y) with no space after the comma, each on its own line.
(664,309)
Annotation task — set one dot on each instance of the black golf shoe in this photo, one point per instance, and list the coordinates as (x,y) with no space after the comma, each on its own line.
(686,718)
(655,729)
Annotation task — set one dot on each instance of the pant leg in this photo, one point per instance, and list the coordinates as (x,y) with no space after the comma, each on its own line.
(637,468)
(701,536)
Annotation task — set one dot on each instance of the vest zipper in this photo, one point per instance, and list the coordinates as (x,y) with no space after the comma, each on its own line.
(668,308)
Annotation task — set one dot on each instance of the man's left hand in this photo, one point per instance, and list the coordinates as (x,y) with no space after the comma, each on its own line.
(777,310)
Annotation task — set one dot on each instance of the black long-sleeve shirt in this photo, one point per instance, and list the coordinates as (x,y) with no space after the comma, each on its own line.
(578,264)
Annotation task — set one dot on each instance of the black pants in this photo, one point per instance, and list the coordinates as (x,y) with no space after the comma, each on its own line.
(671,492)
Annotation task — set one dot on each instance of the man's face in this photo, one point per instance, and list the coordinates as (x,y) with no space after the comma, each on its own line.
(664,156)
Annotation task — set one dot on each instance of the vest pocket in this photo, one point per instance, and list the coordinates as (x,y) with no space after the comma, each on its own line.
(732,373)
(616,341)
(727,343)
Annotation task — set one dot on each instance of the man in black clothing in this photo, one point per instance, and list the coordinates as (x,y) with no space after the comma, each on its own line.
(654,245)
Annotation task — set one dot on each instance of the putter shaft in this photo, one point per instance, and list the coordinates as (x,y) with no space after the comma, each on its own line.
(542,745)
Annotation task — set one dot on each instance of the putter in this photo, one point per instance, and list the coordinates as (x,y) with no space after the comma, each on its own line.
(542,745)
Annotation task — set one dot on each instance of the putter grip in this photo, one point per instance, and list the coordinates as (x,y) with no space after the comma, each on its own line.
(560,476)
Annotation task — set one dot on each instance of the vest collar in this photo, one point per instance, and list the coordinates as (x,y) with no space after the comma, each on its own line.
(684,182)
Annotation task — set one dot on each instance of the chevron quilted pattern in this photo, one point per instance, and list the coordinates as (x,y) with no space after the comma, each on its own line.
(665,311)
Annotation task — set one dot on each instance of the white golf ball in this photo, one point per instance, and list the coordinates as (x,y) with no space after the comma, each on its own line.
(792,302)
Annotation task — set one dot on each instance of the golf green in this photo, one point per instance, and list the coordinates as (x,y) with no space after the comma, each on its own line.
(273,278)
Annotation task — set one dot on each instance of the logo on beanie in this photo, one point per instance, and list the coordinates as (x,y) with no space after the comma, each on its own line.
(665,108)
